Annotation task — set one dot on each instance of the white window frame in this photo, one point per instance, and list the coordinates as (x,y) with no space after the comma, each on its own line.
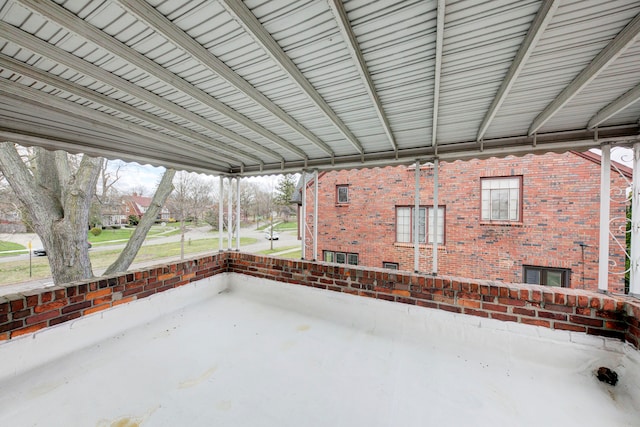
(404,224)
(501,199)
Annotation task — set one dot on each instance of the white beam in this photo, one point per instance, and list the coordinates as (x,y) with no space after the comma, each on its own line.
(539,24)
(626,100)
(605,203)
(436,184)
(229,154)
(437,70)
(66,19)
(615,48)
(28,97)
(252,26)
(315,215)
(238,222)
(221,215)
(361,64)
(303,214)
(634,280)
(230,215)
(160,24)
(58,55)
(416,217)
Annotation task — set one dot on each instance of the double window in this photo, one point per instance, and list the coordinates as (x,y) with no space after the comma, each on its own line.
(405,224)
(501,199)
(340,257)
(546,276)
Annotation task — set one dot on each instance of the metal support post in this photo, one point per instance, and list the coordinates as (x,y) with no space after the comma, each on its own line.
(221,215)
(436,166)
(605,201)
(229,215)
(303,214)
(315,215)
(238,214)
(416,216)
(634,281)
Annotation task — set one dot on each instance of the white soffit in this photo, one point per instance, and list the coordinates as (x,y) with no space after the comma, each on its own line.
(267,86)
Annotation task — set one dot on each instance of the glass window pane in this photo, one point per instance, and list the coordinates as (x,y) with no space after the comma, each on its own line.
(554,278)
(403,224)
(352,259)
(328,256)
(532,276)
(422,221)
(341,257)
(343,194)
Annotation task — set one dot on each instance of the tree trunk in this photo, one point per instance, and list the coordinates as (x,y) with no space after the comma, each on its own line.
(148,219)
(58,203)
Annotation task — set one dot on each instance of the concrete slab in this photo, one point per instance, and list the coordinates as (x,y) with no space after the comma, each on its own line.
(237,351)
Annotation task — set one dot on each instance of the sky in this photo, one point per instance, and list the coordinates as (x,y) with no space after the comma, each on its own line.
(144,179)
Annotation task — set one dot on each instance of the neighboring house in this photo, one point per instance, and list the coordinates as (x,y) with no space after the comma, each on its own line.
(138,205)
(532,219)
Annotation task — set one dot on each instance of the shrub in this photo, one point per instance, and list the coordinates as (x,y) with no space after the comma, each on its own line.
(96,231)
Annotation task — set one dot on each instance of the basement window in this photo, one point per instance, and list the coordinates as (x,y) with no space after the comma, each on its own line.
(340,257)
(558,277)
(391,265)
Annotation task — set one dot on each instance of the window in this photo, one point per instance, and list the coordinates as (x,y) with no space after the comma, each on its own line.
(546,276)
(391,265)
(342,194)
(405,228)
(340,257)
(501,199)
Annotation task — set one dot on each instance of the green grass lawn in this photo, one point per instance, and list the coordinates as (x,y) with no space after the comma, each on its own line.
(123,234)
(10,246)
(18,271)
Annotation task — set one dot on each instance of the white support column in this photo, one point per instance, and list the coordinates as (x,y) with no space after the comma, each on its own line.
(416,217)
(315,215)
(634,281)
(229,214)
(436,166)
(605,201)
(238,214)
(221,215)
(303,214)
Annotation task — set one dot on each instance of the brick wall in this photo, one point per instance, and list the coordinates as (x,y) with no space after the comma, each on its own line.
(557,308)
(559,227)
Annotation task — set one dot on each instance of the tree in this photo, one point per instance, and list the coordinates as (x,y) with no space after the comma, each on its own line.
(57,199)
(57,191)
(284,192)
(165,187)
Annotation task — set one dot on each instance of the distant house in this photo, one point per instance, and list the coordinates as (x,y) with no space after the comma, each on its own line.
(531,219)
(138,206)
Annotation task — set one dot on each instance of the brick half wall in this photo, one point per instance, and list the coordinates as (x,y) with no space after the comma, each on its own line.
(557,308)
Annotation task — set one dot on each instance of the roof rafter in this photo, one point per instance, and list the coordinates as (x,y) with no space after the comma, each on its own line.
(230,154)
(250,23)
(154,19)
(615,107)
(110,124)
(68,20)
(622,41)
(60,56)
(352,42)
(438,70)
(96,150)
(539,24)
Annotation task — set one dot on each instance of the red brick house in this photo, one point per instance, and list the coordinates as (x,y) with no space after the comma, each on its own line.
(531,219)
(137,205)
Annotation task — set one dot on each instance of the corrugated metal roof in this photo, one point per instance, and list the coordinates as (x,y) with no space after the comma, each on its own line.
(265,86)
